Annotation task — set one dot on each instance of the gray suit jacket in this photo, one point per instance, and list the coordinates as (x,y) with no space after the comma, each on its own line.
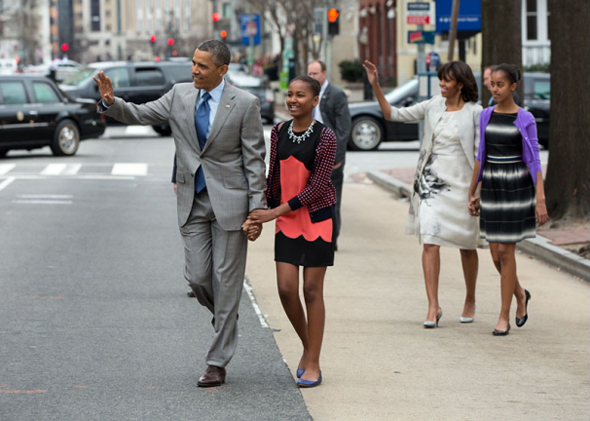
(335,113)
(232,158)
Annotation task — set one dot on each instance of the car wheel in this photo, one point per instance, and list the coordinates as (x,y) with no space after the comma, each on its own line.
(163,129)
(3,152)
(66,139)
(366,135)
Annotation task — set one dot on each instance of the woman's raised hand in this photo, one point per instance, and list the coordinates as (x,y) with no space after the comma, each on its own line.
(372,73)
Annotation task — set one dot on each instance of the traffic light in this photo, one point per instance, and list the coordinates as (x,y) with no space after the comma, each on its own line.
(333,22)
(170,41)
(64,47)
(152,38)
(223,34)
(215,17)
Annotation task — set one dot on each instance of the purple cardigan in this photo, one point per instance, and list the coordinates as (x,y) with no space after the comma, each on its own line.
(525,122)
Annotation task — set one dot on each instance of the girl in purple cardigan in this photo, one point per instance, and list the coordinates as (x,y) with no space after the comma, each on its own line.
(512,198)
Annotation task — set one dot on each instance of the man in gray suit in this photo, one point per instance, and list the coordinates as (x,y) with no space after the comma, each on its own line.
(220,179)
(332,111)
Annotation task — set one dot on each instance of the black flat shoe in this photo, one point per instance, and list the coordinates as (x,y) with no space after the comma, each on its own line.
(521,321)
(497,332)
(191,294)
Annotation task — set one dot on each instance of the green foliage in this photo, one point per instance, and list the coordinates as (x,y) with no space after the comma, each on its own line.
(351,71)
(543,68)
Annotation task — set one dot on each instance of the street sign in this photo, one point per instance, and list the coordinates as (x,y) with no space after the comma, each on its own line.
(420,37)
(469,18)
(432,59)
(250,28)
(420,14)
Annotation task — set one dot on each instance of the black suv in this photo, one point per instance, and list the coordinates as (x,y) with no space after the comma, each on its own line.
(136,82)
(34,113)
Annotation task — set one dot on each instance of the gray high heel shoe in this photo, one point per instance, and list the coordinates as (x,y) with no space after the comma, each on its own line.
(431,325)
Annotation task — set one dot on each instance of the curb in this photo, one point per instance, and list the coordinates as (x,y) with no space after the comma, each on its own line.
(539,247)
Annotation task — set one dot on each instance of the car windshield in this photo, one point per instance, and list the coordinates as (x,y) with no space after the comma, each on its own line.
(80,77)
(405,90)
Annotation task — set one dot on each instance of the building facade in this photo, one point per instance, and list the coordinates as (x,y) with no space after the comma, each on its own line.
(378,34)
(121,29)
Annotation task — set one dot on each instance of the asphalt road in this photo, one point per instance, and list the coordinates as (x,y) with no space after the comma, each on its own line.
(95,323)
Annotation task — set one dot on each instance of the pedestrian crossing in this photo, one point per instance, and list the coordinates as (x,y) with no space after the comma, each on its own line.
(124,169)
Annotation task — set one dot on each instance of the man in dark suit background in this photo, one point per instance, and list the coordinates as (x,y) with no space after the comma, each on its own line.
(332,111)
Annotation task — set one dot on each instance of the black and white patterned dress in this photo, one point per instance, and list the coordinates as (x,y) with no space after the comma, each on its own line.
(507,189)
(443,188)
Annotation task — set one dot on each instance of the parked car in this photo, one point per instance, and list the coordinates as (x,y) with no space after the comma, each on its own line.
(369,127)
(257,86)
(34,113)
(63,69)
(136,82)
(537,99)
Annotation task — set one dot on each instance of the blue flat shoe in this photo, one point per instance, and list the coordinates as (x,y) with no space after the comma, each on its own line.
(300,372)
(309,383)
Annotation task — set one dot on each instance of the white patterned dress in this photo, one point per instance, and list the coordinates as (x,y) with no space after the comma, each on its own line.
(443,189)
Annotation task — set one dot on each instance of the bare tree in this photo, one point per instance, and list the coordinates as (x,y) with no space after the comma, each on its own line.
(568,173)
(295,18)
(501,36)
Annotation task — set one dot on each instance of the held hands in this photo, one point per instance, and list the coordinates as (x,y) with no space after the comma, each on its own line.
(372,73)
(105,87)
(260,216)
(251,229)
(473,206)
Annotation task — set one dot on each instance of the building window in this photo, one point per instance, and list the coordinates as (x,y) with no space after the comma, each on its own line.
(95,15)
(149,11)
(158,17)
(140,27)
(548,20)
(531,20)
(227,10)
(187,15)
(108,28)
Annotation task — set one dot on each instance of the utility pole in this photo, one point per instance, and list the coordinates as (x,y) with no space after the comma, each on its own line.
(453,33)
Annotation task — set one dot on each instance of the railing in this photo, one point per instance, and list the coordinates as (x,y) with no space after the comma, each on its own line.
(536,55)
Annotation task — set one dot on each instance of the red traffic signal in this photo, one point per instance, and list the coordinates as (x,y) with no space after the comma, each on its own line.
(152,38)
(157,59)
(64,47)
(170,41)
(215,17)
(333,15)
(223,33)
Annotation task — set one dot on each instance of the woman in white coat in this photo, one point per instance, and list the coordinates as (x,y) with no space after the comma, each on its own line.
(439,200)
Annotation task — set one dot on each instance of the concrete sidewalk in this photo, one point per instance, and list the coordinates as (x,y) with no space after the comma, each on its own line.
(379,363)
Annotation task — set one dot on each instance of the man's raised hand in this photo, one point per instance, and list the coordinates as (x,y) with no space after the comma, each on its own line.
(105,87)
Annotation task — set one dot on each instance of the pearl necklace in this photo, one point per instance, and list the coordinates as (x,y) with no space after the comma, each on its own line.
(304,136)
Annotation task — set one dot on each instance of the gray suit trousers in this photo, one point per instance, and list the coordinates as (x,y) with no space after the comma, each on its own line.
(215,263)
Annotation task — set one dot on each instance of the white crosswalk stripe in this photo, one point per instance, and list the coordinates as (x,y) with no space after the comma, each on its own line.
(53,169)
(71,169)
(5,168)
(129,169)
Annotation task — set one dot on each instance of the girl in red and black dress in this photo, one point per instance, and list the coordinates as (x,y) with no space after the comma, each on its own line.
(302,198)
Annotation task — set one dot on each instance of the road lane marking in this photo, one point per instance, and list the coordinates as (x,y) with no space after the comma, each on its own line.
(257,310)
(4,168)
(129,169)
(72,169)
(43,202)
(6,182)
(138,130)
(53,169)
(45,196)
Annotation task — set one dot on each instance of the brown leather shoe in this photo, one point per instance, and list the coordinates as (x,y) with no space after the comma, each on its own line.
(213,377)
